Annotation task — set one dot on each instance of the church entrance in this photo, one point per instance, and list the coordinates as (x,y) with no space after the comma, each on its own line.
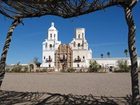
(63,57)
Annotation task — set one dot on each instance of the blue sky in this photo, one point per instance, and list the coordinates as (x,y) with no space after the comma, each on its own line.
(106,31)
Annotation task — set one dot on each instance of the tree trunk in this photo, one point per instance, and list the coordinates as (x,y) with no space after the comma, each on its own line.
(133,56)
(6,48)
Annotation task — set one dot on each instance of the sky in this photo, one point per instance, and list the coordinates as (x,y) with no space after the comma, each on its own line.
(106,31)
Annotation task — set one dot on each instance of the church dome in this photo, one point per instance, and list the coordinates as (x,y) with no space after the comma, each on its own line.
(52,28)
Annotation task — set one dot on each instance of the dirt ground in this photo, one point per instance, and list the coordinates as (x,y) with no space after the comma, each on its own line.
(97,84)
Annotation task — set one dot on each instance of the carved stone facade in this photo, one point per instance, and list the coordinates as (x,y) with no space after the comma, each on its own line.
(63,57)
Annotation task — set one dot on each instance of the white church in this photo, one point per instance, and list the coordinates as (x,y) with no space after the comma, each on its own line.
(56,55)
(76,54)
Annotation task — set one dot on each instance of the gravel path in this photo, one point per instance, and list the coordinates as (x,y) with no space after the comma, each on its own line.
(97,84)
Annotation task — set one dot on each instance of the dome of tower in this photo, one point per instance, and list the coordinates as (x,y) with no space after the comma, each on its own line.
(52,28)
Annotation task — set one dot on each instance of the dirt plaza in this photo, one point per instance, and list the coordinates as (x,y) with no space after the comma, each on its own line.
(98,84)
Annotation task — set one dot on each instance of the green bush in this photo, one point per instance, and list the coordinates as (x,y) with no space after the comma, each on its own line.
(37,70)
(122,66)
(44,70)
(94,67)
(62,70)
(120,71)
(17,68)
(24,69)
(7,70)
(70,70)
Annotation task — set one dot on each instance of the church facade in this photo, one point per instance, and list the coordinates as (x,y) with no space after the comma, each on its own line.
(58,56)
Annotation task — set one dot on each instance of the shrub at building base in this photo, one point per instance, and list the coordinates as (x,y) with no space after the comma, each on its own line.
(44,70)
(25,69)
(122,66)
(68,70)
(94,67)
(16,68)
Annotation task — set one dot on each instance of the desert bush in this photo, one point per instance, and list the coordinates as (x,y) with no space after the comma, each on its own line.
(25,69)
(120,71)
(94,67)
(44,70)
(7,70)
(16,68)
(50,70)
(122,66)
(37,70)
(62,70)
(70,70)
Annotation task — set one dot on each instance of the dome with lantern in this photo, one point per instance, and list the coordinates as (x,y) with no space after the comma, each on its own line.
(52,28)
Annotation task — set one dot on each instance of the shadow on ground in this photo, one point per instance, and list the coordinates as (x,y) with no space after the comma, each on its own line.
(35,98)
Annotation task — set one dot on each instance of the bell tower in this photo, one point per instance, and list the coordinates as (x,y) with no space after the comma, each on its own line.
(80,33)
(52,33)
(50,45)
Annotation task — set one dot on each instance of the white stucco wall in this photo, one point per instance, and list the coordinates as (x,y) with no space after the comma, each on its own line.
(106,62)
(84,55)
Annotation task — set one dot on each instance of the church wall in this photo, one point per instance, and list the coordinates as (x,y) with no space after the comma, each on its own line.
(52,35)
(83,56)
(45,58)
(112,61)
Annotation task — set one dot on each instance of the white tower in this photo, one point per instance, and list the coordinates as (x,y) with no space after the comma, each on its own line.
(49,46)
(80,33)
(81,53)
(79,42)
(52,33)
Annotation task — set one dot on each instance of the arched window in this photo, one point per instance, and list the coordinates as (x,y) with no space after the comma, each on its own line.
(50,45)
(51,36)
(54,35)
(78,44)
(83,57)
(46,45)
(77,65)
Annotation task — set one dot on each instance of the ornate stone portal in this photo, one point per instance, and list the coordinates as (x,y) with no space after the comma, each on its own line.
(63,57)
